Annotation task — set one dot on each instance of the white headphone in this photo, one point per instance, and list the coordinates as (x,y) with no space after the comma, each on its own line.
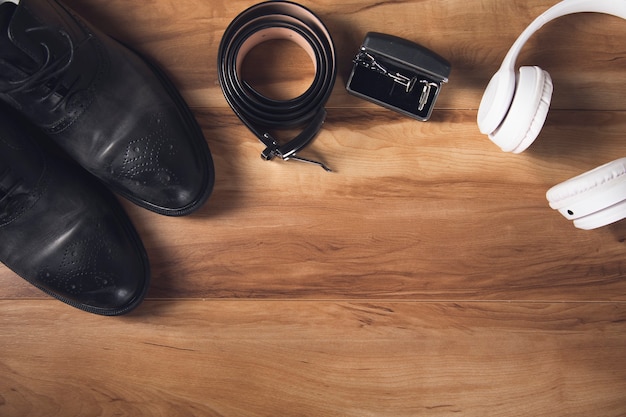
(514,109)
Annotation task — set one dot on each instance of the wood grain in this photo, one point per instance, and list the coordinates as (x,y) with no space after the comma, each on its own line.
(425,276)
(250,358)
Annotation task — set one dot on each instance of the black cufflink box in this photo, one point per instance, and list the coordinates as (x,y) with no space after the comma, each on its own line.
(398,74)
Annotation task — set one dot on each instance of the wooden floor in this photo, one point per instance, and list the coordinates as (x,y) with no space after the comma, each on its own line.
(426,276)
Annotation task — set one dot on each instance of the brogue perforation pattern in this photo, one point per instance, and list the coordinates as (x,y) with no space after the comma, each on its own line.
(79,271)
(144,157)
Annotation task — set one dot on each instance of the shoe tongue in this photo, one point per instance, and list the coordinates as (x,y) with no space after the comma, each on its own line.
(9,52)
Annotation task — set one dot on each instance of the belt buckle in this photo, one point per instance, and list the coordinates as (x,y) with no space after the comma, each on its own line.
(398,74)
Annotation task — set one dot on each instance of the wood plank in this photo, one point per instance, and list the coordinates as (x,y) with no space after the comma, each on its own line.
(583,53)
(269,358)
(415,210)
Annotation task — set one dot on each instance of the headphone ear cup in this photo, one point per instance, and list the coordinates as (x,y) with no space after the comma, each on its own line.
(593,199)
(527,113)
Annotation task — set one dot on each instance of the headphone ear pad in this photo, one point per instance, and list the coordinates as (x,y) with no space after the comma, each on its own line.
(527,113)
(593,199)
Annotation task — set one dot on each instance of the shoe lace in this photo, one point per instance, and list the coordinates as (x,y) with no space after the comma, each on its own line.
(6,194)
(50,74)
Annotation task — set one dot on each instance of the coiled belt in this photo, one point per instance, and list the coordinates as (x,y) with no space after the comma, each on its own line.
(268,21)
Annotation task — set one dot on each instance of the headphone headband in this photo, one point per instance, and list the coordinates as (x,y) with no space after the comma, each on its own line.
(563,8)
(497,97)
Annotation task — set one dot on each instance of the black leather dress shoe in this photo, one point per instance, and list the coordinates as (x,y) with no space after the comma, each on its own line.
(111,110)
(63,231)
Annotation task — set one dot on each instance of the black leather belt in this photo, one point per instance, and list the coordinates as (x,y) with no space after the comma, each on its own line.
(268,21)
